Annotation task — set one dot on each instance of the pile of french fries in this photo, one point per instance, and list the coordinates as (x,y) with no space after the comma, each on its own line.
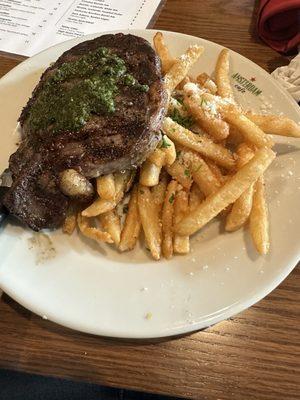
(210,162)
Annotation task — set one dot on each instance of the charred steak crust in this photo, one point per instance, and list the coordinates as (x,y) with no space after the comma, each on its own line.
(105,144)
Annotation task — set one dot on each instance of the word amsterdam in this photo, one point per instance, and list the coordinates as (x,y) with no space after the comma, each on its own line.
(246,84)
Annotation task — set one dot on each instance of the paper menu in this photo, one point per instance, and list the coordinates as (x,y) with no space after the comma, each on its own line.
(30,26)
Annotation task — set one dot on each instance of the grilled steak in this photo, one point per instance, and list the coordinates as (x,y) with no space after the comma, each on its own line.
(96,110)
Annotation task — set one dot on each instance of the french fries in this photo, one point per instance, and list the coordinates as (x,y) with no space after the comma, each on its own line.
(204,177)
(181,66)
(210,162)
(251,132)
(150,221)
(132,225)
(111,224)
(259,224)
(92,232)
(206,82)
(69,224)
(180,173)
(241,209)
(222,75)
(100,206)
(181,244)
(162,50)
(106,187)
(227,194)
(157,158)
(276,125)
(167,220)
(205,113)
(149,175)
(200,144)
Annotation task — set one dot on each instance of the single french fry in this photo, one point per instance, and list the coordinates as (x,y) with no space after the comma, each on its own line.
(106,187)
(275,124)
(157,157)
(162,50)
(158,192)
(196,197)
(205,112)
(222,75)
(149,174)
(110,222)
(180,173)
(168,148)
(91,232)
(202,174)
(181,244)
(251,132)
(181,67)
(206,82)
(150,221)
(201,144)
(227,194)
(167,220)
(69,224)
(132,224)
(259,223)
(215,170)
(241,209)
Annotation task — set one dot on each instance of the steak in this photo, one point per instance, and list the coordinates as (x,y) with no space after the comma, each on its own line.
(96,137)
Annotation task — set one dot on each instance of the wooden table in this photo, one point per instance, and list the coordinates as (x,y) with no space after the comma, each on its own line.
(254,355)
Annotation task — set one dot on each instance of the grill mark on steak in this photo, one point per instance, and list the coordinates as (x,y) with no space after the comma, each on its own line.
(105,144)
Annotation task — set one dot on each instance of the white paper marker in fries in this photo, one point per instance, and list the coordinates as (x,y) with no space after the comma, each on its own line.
(201,144)
(110,222)
(241,209)
(132,224)
(275,124)
(222,75)
(162,50)
(259,223)
(227,194)
(181,66)
(91,232)
(106,186)
(181,244)
(167,220)
(150,221)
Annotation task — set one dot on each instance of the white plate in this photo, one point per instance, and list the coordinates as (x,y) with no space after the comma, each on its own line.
(94,289)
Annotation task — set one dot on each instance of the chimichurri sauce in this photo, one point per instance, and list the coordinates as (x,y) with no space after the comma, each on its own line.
(79,88)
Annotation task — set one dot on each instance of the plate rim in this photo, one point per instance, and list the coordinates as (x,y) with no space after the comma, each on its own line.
(207,321)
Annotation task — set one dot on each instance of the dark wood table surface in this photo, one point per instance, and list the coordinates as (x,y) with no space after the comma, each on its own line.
(254,355)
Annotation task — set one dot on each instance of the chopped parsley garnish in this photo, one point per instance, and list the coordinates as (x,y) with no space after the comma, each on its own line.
(164,143)
(142,191)
(187,172)
(186,122)
(203,102)
(171,199)
(178,152)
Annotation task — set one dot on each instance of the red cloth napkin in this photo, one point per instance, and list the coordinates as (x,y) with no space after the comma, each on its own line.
(279,24)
